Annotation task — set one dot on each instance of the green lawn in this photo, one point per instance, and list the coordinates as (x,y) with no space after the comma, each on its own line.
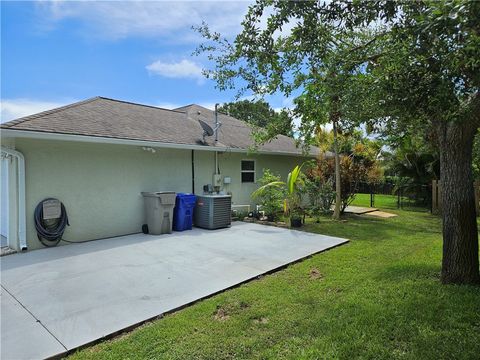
(378,297)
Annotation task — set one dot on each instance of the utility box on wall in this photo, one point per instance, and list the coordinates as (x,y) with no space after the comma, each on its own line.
(217,180)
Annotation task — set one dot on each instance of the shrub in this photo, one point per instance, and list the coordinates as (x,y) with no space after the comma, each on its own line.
(320,194)
(272,197)
(354,168)
(290,191)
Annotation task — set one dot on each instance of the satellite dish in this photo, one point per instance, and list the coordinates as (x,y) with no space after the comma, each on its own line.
(207,130)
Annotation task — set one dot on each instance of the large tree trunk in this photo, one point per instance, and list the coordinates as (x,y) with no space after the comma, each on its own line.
(338,185)
(460,264)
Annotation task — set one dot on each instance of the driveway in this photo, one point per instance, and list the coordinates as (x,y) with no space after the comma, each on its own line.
(57,299)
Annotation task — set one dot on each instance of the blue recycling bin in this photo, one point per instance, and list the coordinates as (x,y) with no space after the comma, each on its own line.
(183,212)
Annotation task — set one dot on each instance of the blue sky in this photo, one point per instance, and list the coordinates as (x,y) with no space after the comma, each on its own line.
(55,53)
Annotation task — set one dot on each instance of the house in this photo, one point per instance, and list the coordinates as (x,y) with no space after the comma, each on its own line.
(98,155)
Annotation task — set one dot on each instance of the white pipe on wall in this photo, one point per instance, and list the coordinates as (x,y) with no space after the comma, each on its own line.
(22,237)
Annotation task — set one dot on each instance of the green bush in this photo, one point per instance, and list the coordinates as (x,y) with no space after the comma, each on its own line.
(320,194)
(271,197)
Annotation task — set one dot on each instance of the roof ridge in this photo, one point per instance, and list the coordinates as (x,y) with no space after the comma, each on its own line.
(23,119)
(185,106)
(46,112)
(240,123)
(146,105)
(106,117)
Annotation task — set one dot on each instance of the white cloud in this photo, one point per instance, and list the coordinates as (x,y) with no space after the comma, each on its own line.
(208,105)
(16,108)
(183,69)
(161,19)
(168,105)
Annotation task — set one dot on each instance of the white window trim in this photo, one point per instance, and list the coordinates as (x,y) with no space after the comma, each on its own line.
(249,171)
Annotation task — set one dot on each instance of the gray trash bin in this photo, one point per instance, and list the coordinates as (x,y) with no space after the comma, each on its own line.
(159,211)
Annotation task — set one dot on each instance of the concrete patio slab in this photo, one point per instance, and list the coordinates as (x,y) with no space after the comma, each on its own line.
(22,336)
(83,292)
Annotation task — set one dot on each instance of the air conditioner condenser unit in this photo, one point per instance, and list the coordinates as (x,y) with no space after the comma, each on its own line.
(213,211)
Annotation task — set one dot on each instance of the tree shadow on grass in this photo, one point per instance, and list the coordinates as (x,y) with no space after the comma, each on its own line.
(358,227)
(409,271)
(408,308)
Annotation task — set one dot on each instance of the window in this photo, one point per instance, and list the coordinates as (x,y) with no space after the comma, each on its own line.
(248,171)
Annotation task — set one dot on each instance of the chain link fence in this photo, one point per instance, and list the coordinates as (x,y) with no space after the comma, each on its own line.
(409,196)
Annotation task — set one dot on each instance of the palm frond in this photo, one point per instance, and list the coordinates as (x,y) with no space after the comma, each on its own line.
(261,189)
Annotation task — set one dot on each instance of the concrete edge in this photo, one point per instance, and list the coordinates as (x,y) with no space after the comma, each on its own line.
(362,212)
(174,310)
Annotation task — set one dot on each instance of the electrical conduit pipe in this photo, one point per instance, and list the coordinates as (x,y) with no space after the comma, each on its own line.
(22,238)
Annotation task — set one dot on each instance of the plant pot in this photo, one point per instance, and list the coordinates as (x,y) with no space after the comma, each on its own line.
(295,223)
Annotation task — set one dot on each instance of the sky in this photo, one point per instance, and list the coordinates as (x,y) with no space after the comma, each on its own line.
(57,52)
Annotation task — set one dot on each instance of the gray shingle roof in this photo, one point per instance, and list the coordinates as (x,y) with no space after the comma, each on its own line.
(103,117)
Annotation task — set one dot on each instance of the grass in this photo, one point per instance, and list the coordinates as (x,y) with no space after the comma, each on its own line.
(378,297)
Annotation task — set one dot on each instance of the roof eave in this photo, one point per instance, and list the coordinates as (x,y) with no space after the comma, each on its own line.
(42,135)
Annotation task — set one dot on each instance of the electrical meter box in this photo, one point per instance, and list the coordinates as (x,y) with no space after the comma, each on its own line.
(217,180)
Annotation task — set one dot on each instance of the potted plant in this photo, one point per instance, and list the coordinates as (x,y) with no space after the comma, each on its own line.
(295,219)
(293,202)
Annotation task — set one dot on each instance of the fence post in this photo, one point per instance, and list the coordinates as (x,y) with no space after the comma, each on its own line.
(430,187)
(372,200)
(398,196)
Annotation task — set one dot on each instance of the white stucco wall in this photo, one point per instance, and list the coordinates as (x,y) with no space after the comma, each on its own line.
(101,184)
(230,165)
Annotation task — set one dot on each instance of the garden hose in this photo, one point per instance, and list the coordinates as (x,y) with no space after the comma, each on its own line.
(50,231)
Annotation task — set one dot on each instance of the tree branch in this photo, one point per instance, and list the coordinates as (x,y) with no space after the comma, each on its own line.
(369,42)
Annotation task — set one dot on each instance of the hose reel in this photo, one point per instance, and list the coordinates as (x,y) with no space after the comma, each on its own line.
(50,221)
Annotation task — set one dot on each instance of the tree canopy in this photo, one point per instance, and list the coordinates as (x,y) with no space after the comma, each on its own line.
(403,67)
(313,63)
(260,114)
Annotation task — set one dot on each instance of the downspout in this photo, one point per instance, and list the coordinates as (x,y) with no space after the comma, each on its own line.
(193,171)
(216,137)
(216,123)
(22,238)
